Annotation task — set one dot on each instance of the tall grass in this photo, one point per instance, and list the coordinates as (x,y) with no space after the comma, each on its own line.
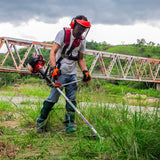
(129,135)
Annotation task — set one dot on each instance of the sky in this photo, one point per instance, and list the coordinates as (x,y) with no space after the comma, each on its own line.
(113,21)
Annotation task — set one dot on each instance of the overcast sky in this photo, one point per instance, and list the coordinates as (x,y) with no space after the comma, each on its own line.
(113,21)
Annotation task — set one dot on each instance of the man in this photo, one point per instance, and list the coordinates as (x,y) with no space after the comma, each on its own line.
(68,47)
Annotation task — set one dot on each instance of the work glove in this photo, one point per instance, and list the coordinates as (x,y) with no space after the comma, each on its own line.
(54,73)
(86,76)
(49,84)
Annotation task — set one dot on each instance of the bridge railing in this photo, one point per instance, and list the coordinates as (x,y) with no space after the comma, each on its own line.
(11,45)
(105,65)
(123,67)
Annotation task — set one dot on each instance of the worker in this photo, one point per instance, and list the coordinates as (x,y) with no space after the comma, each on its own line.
(68,48)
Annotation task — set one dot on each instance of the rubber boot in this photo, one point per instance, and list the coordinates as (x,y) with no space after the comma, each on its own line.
(42,119)
(69,117)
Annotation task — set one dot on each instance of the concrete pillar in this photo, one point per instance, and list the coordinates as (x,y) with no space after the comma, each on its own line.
(158,86)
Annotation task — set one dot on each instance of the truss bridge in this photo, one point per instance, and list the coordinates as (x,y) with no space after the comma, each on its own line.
(104,65)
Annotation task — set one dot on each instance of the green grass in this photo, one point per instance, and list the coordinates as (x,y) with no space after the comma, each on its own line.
(119,89)
(129,135)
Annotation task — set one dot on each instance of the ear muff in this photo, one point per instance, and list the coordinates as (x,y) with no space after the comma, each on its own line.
(72,23)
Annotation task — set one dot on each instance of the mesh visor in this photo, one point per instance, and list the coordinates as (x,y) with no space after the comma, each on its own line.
(83,28)
(84,35)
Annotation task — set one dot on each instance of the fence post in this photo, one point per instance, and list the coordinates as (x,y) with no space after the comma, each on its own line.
(158,86)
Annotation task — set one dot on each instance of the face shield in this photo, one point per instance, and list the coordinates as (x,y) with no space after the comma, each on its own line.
(81,29)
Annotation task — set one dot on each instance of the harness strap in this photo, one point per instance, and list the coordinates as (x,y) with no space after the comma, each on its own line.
(67,36)
(75,44)
(58,63)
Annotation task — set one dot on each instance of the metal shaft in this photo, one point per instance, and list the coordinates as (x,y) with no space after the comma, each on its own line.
(70,83)
(74,107)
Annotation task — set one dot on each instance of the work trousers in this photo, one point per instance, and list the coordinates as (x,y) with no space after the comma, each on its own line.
(70,91)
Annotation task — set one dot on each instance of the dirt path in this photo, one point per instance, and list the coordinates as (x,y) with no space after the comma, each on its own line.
(19,99)
(131,108)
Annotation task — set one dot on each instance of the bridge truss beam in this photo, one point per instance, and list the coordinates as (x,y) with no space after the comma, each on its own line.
(123,67)
(105,65)
(10,46)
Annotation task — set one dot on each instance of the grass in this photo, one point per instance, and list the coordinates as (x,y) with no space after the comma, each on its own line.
(119,89)
(129,135)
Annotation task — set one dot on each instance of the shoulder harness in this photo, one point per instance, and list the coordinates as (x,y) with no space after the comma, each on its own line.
(68,54)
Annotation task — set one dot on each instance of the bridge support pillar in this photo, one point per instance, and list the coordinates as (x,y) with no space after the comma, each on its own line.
(158,86)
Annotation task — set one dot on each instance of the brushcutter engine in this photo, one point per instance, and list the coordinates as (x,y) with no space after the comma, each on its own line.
(36,63)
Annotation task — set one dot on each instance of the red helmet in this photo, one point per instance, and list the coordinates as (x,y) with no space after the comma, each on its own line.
(83,24)
(80,19)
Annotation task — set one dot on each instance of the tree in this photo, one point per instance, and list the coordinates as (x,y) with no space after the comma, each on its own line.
(141,42)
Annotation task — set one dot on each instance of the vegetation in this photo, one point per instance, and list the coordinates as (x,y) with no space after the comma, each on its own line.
(128,135)
(141,49)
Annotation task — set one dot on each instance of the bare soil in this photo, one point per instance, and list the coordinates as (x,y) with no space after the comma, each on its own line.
(7,151)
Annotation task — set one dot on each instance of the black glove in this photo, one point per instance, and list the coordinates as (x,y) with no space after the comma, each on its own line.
(49,84)
(86,76)
(54,72)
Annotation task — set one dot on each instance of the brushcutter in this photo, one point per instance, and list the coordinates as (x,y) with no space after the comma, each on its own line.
(35,65)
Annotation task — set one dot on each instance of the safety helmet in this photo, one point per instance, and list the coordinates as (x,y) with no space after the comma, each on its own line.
(82,23)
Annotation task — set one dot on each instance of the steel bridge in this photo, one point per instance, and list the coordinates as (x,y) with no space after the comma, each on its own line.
(105,65)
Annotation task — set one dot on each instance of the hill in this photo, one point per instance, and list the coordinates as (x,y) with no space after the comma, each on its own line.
(141,49)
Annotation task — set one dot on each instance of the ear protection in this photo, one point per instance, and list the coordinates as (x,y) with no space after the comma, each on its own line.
(72,24)
(82,22)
